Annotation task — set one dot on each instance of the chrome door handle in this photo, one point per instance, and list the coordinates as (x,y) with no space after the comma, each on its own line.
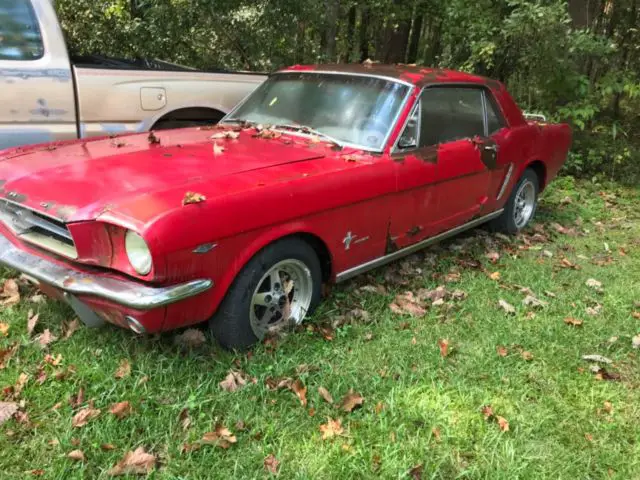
(491,147)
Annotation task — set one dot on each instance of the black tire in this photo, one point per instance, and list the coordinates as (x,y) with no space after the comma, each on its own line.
(506,222)
(231,324)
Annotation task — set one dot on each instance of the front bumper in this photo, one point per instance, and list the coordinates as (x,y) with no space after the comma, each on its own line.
(127,293)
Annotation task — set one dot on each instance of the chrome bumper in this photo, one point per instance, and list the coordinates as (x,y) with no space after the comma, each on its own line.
(127,293)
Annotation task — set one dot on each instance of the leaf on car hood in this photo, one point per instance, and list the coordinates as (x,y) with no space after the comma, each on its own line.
(191,198)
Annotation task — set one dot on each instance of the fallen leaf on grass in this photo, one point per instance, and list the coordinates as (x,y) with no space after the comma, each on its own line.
(191,338)
(76,400)
(124,370)
(443,344)
(351,401)
(493,257)
(220,437)
(4,329)
(594,311)
(121,409)
(597,359)
(271,464)
(532,301)
(324,393)
(32,321)
(528,356)
(574,322)
(502,423)
(408,304)
(7,410)
(593,283)
(416,472)
(502,351)
(495,276)
(300,390)
(137,462)
(10,293)
(6,354)
(191,198)
(507,307)
(76,455)
(331,429)
(81,418)
(45,338)
(233,381)
(70,328)
(635,341)
(487,411)
(608,406)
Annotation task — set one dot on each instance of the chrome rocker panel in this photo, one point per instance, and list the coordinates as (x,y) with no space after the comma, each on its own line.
(378,262)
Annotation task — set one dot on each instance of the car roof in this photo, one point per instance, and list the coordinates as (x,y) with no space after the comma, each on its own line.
(412,74)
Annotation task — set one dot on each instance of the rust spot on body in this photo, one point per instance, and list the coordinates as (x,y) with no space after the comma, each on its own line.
(391,244)
(413,231)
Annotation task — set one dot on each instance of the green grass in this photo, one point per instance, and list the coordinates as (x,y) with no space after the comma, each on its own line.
(431,415)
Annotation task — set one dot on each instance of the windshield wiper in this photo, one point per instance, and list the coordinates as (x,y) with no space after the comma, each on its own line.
(240,121)
(310,131)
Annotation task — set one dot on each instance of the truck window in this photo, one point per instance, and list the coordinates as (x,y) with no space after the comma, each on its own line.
(20,37)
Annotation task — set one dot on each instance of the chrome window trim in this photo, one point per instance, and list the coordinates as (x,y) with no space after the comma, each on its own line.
(393,123)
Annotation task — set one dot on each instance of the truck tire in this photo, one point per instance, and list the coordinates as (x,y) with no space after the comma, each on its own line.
(278,287)
(521,205)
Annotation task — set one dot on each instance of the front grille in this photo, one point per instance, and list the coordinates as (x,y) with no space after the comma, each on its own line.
(38,229)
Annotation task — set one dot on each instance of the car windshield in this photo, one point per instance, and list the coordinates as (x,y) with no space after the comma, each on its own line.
(355,110)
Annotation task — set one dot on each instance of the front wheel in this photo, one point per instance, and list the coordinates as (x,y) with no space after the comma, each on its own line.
(521,205)
(277,288)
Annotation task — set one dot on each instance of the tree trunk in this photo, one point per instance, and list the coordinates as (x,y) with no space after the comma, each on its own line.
(365,19)
(397,33)
(300,43)
(332,9)
(351,30)
(416,32)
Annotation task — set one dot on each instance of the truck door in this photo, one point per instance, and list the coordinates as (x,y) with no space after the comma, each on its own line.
(36,89)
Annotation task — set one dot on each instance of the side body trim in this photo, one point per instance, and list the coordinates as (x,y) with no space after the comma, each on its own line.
(505,182)
(378,262)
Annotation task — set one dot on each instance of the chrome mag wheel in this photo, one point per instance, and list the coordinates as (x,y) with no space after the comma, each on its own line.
(282,297)
(525,204)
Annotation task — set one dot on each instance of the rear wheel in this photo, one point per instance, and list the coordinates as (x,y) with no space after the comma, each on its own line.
(521,205)
(279,287)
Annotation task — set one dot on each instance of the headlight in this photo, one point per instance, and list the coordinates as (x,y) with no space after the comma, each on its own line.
(138,253)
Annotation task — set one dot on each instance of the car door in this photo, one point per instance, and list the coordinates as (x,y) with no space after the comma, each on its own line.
(413,213)
(454,120)
(36,88)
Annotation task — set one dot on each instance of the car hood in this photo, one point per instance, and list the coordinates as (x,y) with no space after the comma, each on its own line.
(78,181)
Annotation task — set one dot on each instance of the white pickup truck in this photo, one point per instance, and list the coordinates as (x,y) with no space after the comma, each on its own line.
(46,96)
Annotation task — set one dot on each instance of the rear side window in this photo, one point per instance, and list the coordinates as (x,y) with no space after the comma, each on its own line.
(20,37)
(494,119)
(451,113)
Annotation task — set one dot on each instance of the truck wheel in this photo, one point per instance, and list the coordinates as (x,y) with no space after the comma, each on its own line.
(521,205)
(279,287)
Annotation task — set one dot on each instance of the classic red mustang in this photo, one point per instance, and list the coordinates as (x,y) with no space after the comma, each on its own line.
(322,173)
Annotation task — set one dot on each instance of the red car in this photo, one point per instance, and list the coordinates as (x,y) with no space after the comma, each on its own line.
(322,173)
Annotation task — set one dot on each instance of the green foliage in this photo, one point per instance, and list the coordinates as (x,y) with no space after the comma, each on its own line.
(582,69)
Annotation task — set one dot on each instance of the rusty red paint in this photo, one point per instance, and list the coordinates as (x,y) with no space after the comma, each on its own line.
(261,189)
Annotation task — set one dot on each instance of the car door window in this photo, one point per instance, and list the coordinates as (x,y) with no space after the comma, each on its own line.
(495,121)
(451,113)
(20,37)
